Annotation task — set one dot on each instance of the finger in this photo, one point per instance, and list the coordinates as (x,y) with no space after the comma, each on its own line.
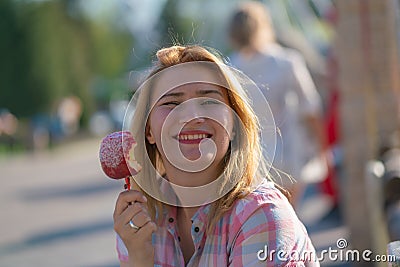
(129,213)
(142,235)
(140,219)
(126,198)
(146,230)
(122,223)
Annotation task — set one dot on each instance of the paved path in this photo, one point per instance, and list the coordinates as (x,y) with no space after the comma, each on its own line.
(56,209)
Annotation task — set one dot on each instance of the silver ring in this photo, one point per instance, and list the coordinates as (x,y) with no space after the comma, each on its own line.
(134,226)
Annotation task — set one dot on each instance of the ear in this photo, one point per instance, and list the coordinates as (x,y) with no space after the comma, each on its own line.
(150,136)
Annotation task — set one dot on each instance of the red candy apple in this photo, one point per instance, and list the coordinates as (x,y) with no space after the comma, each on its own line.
(117,155)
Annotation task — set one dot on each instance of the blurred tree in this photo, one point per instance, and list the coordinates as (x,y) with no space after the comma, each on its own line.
(50,50)
(46,57)
(111,48)
(15,63)
(174,27)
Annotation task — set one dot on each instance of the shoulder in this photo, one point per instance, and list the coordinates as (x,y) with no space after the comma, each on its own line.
(284,52)
(265,218)
(286,56)
(266,203)
(266,214)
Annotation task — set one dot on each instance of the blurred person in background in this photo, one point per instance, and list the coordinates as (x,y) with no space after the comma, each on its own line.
(69,112)
(8,128)
(284,79)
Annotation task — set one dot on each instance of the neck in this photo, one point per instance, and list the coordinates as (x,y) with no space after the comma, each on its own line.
(249,51)
(190,188)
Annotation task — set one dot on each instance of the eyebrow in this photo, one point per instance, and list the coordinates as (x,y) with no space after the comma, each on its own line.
(177,94)
(209,91)
(199,92)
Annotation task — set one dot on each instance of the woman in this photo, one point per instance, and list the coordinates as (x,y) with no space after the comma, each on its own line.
(205,198)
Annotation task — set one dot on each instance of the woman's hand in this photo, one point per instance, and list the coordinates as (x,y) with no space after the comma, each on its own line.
(130,210)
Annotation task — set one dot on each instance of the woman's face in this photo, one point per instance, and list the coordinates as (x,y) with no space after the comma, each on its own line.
(191,125)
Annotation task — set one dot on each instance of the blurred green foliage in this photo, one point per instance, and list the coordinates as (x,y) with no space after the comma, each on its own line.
(50,50)
(173,29)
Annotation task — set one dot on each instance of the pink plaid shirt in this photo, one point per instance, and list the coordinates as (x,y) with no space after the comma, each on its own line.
(260,230)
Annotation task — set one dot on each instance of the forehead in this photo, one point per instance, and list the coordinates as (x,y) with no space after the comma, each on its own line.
(186,74)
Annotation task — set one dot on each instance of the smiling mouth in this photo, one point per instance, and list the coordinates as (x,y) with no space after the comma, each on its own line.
(192,138)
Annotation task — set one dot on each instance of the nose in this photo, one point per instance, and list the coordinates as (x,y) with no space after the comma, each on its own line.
(190,111)
(194,120)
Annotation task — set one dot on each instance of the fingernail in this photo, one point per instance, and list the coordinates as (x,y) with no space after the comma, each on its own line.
(144,198)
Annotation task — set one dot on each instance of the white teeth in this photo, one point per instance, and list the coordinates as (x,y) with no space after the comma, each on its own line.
(192,136)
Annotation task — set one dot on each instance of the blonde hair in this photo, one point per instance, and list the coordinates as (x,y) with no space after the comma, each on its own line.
(244,164)
(251,26)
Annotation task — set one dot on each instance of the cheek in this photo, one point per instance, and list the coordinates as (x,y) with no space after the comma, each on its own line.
(229,124)
(157,118)
(224,134)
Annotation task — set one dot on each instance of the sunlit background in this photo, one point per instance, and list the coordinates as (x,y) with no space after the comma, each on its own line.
(69,67)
